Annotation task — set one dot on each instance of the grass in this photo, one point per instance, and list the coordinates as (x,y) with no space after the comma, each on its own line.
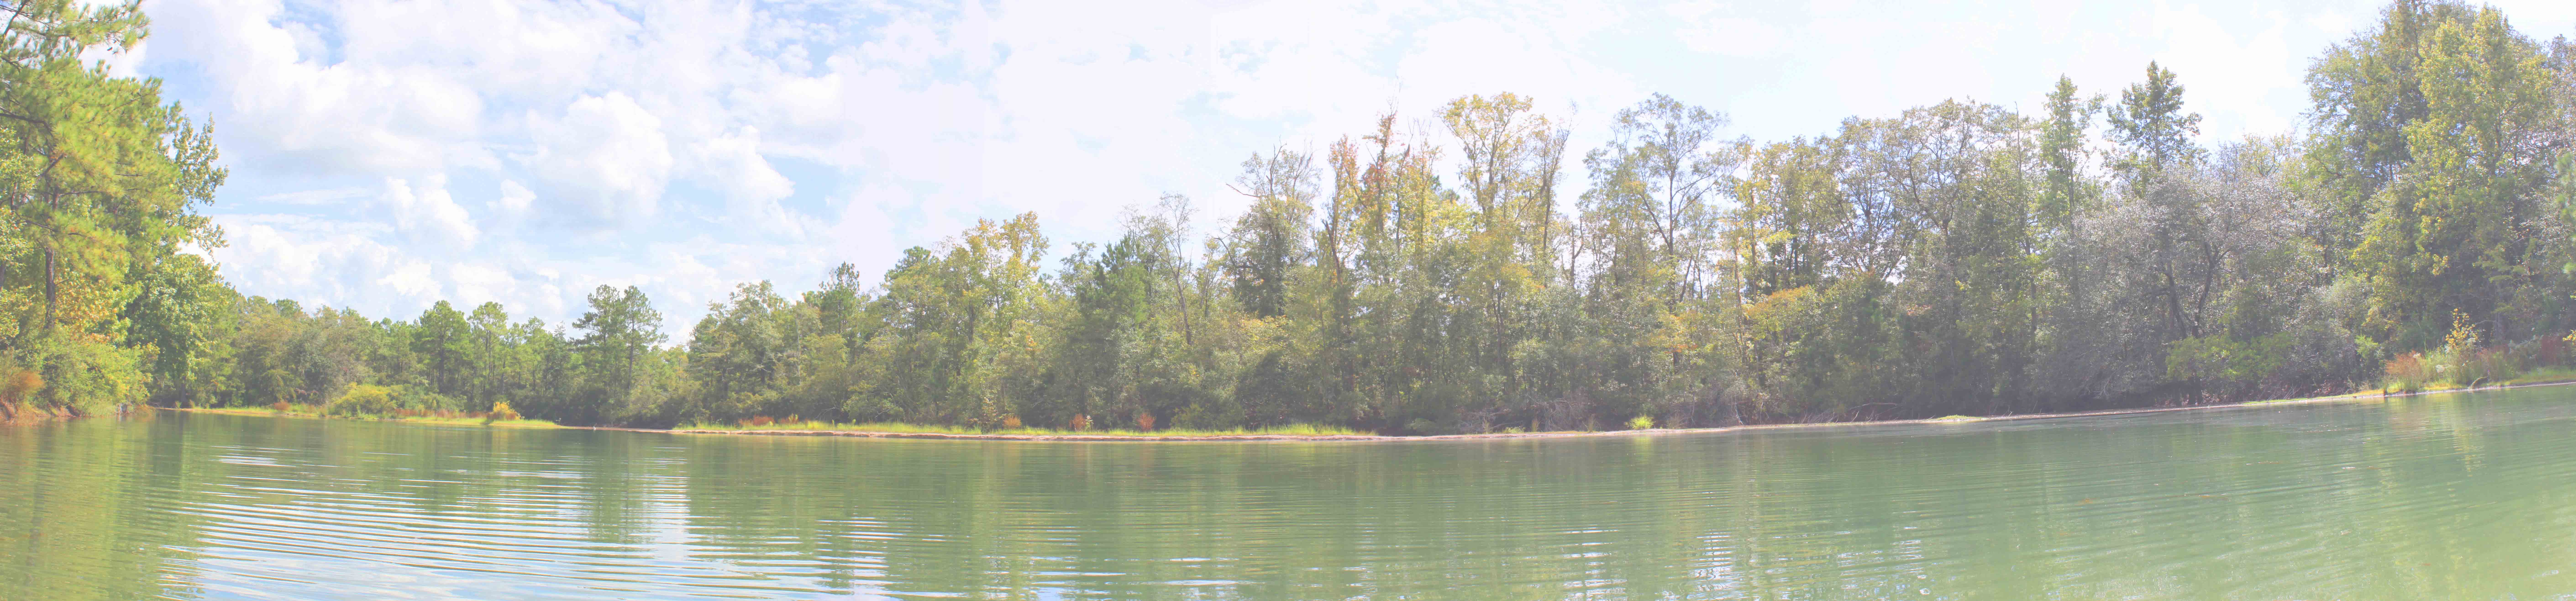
(2349,395)
(903,428)
(315,412)
(2544,375)
(477,421)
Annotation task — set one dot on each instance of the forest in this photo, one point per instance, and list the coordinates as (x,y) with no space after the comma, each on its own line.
(1444,273)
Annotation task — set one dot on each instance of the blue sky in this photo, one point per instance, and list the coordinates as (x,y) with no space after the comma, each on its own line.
(388,154)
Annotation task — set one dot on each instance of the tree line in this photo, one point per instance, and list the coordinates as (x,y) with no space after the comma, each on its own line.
(1441,275)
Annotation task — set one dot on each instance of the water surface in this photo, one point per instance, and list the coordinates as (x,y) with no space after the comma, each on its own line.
(2465,496)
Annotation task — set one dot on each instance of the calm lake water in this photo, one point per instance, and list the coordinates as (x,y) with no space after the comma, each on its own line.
(2444,497)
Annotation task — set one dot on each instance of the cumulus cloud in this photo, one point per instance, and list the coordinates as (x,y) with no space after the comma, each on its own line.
(515,200)
(604,161)
(427,215)
(317,197)
(318,262)
(297,110)
(745,178)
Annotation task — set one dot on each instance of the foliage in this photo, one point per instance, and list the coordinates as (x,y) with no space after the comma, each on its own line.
(502,412)
(363,400)
(99,185)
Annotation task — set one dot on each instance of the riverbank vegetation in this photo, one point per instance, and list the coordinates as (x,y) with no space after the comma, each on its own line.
(1445,273)
(500,416)
(764,424)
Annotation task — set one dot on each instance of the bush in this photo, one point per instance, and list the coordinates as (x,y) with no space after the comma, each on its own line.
(501,411)
(1642,423)
(2485,366)
(422,399)
(363,400)
(18,384)
(1210,414)
(2548,351)
(2409,372)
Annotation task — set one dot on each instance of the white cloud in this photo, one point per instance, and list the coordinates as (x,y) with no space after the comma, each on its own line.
(1704,30)
(428,214)
(279,92)
(411,278)
(515,201)
(605,161)
(2232,78)
(318,197)
(315,261)
(734,164)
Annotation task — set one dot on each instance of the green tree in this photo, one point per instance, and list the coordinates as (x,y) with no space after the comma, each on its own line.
(494,368)
(444,342)
(615,355)
(99,179)
(2446,232)
(1272,239)
(181,315)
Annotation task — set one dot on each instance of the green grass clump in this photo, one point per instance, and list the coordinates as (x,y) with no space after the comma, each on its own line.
(2545,374)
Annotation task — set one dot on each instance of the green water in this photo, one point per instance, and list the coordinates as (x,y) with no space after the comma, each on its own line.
(2444,497)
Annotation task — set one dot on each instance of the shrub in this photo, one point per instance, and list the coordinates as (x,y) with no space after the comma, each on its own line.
(362,400)
(17,384)
(1210,415)
(501,411)
(2409,372)
(422,399)
(2463,336)
(1078,423)
(1642,422)
(1011,422)
(280,407)
(1145,421)
(2488,366)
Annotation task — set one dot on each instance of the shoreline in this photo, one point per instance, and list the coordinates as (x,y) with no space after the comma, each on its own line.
(1536,435)
(1254,437)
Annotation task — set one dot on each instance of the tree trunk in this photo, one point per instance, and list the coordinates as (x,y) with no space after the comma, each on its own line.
(5,343)
(51,294)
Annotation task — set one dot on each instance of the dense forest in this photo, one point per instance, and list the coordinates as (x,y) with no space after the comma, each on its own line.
(1439,274)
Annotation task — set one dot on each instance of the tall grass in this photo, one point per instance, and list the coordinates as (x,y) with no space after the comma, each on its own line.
(500,416)
(2409,372)
(2460,364)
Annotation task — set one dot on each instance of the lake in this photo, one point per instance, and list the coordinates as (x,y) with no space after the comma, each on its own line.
(2456,496)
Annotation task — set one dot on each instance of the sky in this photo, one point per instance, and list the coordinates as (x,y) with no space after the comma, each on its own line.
(385,155)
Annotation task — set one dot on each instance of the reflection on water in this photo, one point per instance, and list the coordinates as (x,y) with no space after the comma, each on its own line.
(2457,496)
